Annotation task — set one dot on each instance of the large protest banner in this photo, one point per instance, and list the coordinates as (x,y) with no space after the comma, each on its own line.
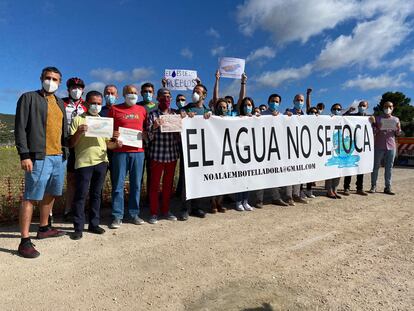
(229,155)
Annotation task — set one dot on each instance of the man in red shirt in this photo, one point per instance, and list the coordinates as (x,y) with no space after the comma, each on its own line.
(127,159)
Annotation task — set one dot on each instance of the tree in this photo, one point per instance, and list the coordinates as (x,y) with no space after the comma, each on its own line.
(402,109)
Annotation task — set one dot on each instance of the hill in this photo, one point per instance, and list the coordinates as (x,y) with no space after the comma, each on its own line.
(6,129)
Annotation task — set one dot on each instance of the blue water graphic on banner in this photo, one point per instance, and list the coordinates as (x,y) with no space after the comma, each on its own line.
(340,157)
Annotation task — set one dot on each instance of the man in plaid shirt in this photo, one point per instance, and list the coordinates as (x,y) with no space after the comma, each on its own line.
(163,155)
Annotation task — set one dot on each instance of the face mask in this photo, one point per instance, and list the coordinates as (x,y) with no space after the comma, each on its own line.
(273,106)
(110,99)
(248,109)
(147,97)
(50,86)
(131,99)
(196,98)
(164,103)
(336,112)
(361,109)
(181,103)
(298,104)
(94,109)
(320,111)
(387,110)
(76,93)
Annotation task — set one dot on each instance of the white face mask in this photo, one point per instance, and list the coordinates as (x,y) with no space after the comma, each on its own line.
(387,110)
(94,109)
(195,98)
(131,99)
(50,86)
(76,93)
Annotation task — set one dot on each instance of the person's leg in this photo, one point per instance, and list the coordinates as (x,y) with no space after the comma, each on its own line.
(167,186)
(378,155)
(95,190)
(289,192)
(275,194)
(296,190)
(119,169)
(347,182)
(389,162)
(83,177)
(259,196)
(135,175)
(360,182)
(25,218)
(156,172)
(70,191)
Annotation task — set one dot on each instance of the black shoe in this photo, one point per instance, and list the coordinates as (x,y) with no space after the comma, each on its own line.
(259,204)
(388,191)
(27,250)
(96,230)
(198,213)
(77,235)
(183,215)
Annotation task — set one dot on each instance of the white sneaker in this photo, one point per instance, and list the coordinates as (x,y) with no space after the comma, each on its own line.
(239,207)
(247,207)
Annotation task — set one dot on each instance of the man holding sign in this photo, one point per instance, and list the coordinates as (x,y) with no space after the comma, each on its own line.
(127,159)
(164,153)
(91,163)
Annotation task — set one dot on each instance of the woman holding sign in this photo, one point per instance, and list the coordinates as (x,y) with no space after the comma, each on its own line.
(386,127)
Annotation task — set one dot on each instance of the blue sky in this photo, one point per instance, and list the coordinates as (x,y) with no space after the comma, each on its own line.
(344,49)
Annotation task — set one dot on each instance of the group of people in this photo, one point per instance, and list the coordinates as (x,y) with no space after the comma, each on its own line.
(50,139)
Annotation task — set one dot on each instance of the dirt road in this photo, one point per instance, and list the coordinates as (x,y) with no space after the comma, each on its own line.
(351,254)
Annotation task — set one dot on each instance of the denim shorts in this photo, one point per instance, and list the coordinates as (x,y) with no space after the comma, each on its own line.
(47,176)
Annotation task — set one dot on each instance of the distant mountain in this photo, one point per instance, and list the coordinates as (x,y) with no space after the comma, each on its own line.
(6,129)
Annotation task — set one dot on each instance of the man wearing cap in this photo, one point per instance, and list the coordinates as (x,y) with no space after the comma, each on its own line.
(41,137)
(74,106)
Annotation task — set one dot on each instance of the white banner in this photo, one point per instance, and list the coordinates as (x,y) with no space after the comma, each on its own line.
(229,155)
(180,79)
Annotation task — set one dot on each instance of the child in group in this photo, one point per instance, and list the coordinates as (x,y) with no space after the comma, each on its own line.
(332,184)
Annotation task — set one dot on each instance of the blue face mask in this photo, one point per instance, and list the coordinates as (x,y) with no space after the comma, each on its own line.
(248,109)
(298,104)
(147,97)
(336,112)
(361,109)
(273,106)
(110,99)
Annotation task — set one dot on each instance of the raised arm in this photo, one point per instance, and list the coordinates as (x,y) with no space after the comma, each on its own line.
(242,93)
(216,88)
(308,99)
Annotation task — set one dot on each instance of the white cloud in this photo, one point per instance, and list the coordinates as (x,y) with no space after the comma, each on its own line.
(109,75)
(276,78)
(218,50)
(264,52)
(94,86)
(369,42)
(405,61)
(383,81)
(186,53)
(213,33)
(299,20)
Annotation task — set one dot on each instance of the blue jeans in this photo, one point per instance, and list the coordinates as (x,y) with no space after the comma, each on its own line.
(388,156)
(122,163)
(242,196)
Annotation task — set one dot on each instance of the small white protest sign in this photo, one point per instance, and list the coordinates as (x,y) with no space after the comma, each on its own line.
(180,79)
(231,67)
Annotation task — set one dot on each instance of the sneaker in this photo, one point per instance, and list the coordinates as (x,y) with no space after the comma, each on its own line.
(337,196)
(153,219)
(27,250)
(77,235)
(137,221)
(290,202)
(388,191)
(300,200)
(197,212)
(239,207)
(373,189)
(259,205)
(279,202)
(309,194)
(51,233)
(169,216)
(213,209)
(361,192)
(183,216)
(247,207)
(346,192)
(116,223)
(221,209)
(96,230)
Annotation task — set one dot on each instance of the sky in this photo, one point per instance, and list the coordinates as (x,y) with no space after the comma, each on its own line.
(345,50)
